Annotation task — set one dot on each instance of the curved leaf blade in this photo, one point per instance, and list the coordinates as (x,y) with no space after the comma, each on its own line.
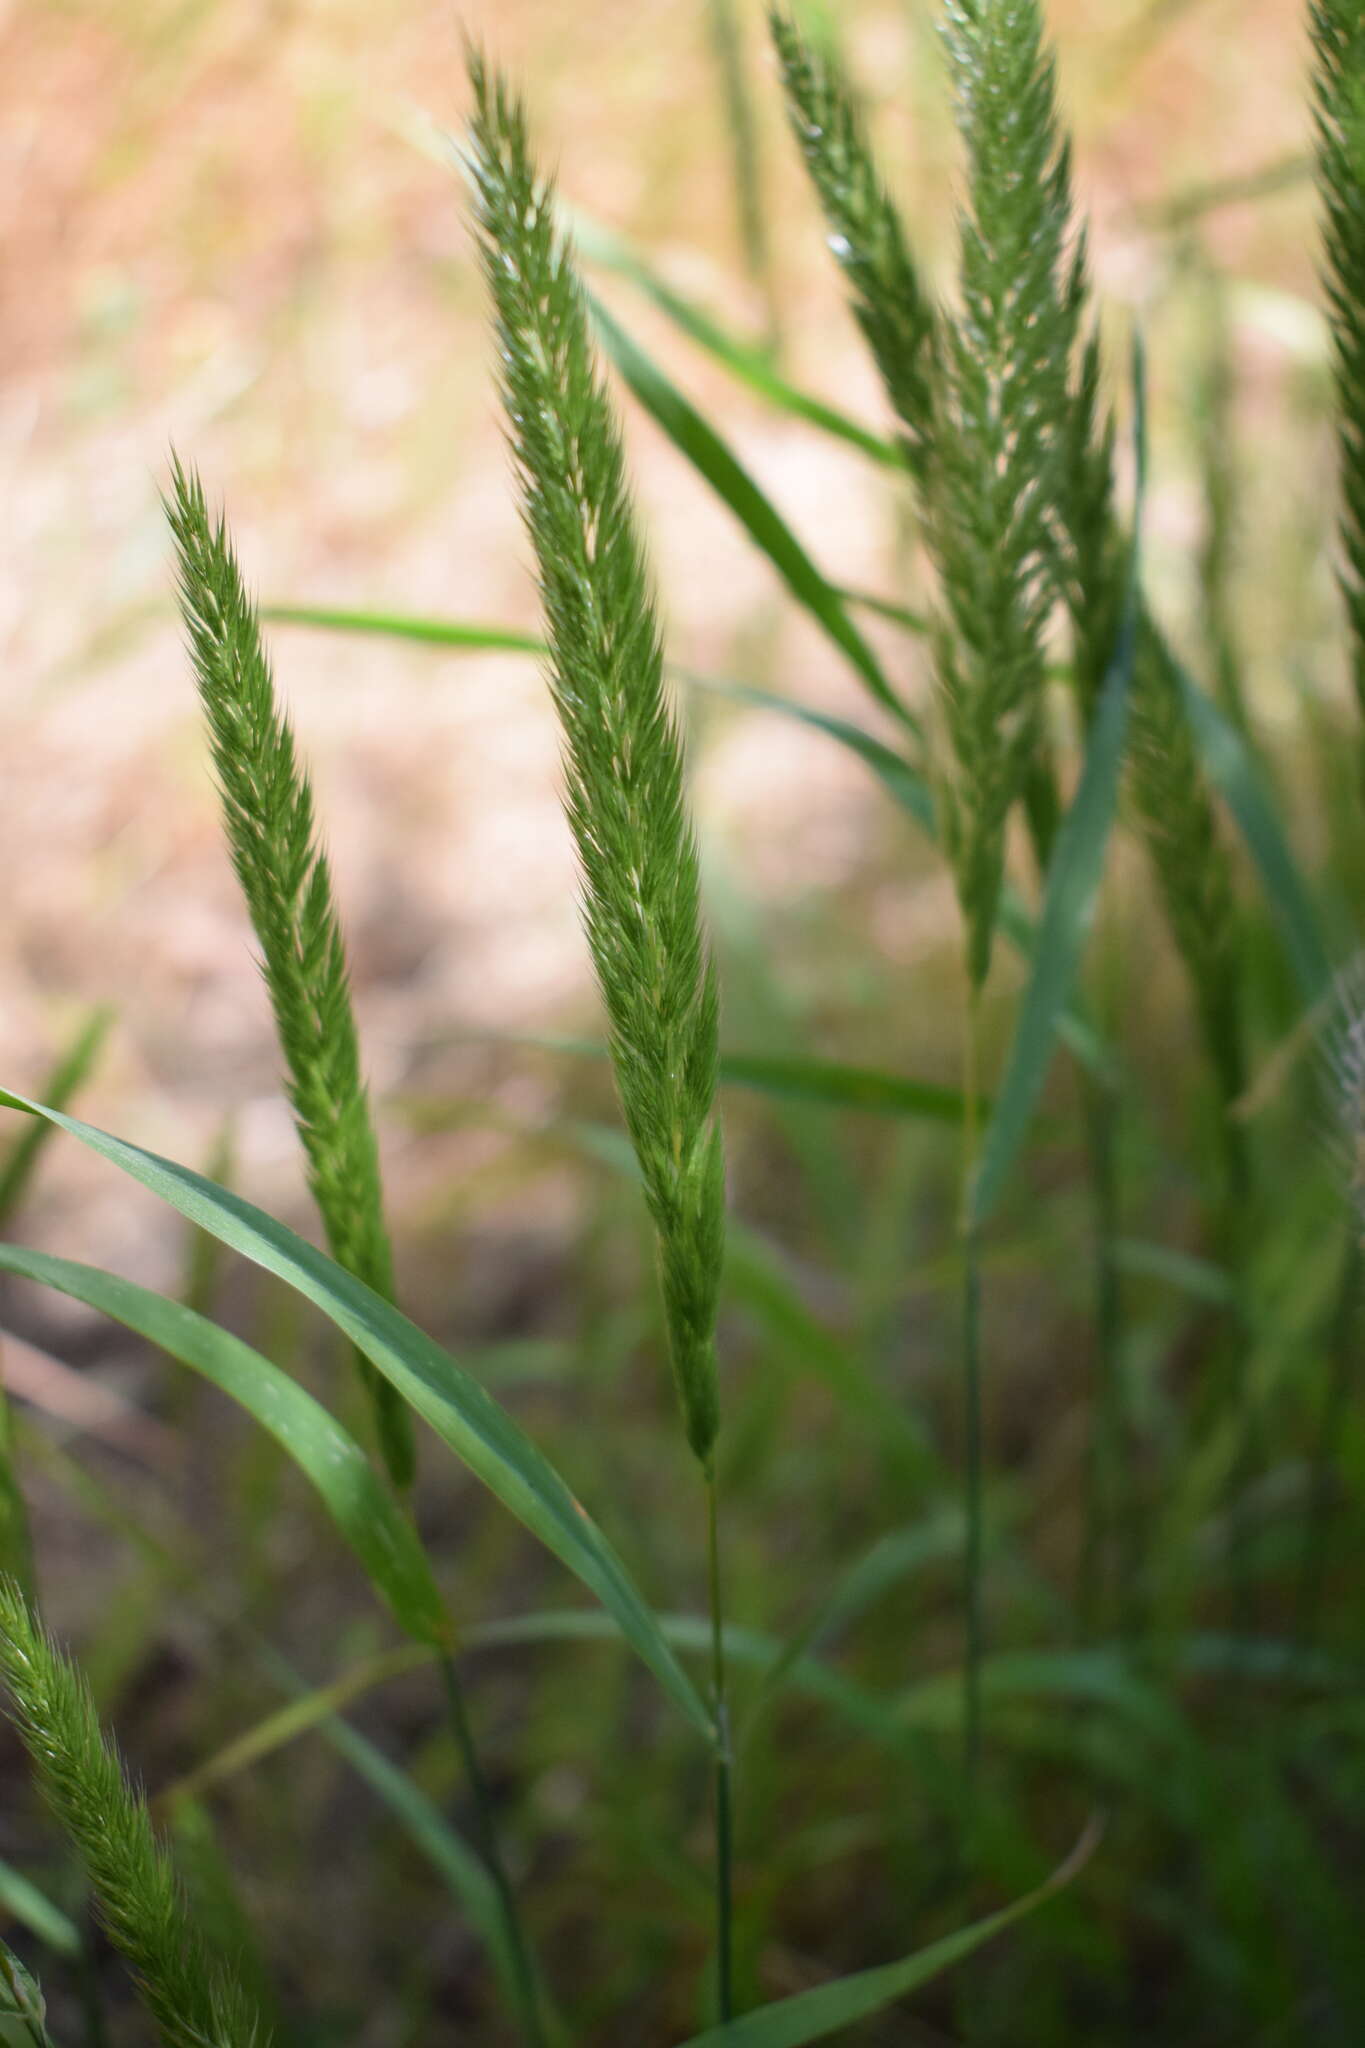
(407,626)
(811,2015)
(71,1070)
(364,1511)
(1072,885)
(903,783)
(750,364)
(843,1087)
(1232,770)
(710,456)
(275,1731)
(35,1910)
(1074,873)
(462,1413)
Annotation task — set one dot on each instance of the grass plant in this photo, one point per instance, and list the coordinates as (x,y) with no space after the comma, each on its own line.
(1169,1518)
(625,800)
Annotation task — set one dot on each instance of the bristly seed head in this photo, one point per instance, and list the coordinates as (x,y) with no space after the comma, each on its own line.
(625,796)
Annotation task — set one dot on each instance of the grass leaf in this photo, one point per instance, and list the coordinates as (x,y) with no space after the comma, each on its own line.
(66,1077)
(710,456)
(22,1898)
(1072,885)
(811,2015)
(461,1412)
(1073,878)
(286,1724)
(367,1516)
(903,783)
(843,1087)
(1232,770)
(751,364)
(404,626)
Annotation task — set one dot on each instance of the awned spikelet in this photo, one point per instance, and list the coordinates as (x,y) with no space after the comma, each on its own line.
(269,819)
(983,402)
(999,437)
(623,759)
(194,1999)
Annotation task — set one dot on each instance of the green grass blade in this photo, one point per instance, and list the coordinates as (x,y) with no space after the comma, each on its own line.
(371,1521)
(1074,873)
(893,1557)
(1199,1278)
(67,1076)
(1232,770)
(405,626)
(918,623)
(811,2015)
(1072,885)
(710,456)
(903,783)
(843,1087)
(460,1411)
(286,1724)
(691,1635)
(34,1910)
(753,366)
(454,1861)
(426,1827)
(756,1279)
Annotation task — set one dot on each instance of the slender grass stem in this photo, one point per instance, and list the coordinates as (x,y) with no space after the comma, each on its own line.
(724,1767)
(971,1370)
(489,1846)
(1249,1455)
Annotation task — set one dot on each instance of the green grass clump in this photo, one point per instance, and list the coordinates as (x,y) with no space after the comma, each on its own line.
(1040,1502)
(196,2001)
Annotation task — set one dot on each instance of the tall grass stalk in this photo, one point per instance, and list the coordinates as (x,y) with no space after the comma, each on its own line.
(269,818)
(625,796)
(974,1456)
(982,397)
(195,2000)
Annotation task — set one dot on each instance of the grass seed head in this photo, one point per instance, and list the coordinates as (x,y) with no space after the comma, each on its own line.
(625,795)
(194,1999)
(269,818)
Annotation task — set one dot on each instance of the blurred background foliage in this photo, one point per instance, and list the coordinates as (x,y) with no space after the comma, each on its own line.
(235,227)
